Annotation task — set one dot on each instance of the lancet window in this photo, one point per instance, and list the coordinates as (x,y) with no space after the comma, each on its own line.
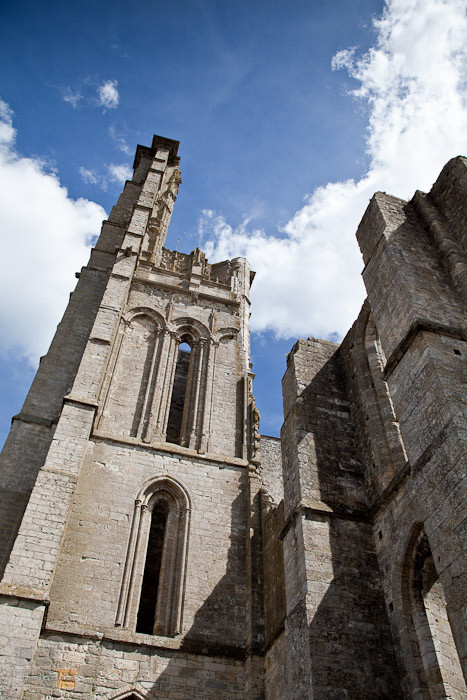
(152,587)
(190,386)
(435,652)
(179,393)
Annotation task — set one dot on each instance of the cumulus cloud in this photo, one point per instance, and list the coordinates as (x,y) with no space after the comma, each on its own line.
(108,94)
(72,97)
(48,236)
(412,82)
(119,173)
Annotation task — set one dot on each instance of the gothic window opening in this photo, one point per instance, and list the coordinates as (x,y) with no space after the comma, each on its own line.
(151,597)
(440,664)
(179,393)
(152,570)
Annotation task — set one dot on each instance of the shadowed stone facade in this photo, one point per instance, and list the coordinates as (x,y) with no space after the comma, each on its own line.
(154,545)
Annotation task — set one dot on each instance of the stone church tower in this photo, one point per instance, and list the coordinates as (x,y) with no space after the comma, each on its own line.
(126,477)
(153,545)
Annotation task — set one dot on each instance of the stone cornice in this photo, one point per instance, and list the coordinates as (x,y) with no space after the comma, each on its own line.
(171,449)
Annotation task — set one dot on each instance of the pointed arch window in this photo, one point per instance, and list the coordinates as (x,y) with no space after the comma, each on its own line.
(189,386)
(179,392)
(153,582)
(435,651)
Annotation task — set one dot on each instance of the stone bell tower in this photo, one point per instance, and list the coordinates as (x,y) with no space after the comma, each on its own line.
(129,478)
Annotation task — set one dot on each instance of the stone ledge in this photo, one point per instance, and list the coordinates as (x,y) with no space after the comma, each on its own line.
(99,341)
(30,418)
(9,590)
(316,509)
(81,400)
(125,637)
(110,223)
(169,448)
(176,287)
(414,330)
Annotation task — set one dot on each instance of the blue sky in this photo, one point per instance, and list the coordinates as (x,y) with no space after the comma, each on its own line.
(290,115)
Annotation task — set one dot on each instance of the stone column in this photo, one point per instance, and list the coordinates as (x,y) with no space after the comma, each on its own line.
(161,428)
(155,425)
(150,388)
(137,567)
(195,401)
(109,372)
(128,571)
(205,427)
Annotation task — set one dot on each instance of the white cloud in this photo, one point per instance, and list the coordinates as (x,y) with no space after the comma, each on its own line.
(120,142)
(73,98)
(413,82)
(119,173)
(88,176)
(108,94)
(47,235)
(114,173)
(7,132)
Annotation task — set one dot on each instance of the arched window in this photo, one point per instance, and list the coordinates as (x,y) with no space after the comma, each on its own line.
(153,581)
(179,392)
(439,666)
(190,385)
(152,569)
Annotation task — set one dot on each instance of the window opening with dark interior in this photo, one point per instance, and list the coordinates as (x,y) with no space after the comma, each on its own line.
(437,646)
(179,390)
(152,569)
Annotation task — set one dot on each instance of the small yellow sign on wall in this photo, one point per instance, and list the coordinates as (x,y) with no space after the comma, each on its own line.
(66,678)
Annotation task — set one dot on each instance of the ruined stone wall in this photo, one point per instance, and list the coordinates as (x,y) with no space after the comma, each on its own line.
(272,523)
(271,468)
(101,668)
(328,564)
(275,661)
(337,632)
(421,328)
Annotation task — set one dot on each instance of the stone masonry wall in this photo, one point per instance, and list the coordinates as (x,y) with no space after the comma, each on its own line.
(26,446)
(20,622)
(338,638)
(100,669)
(271,467)
(272,523)
(333,569)
(88,575)
(421,329)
